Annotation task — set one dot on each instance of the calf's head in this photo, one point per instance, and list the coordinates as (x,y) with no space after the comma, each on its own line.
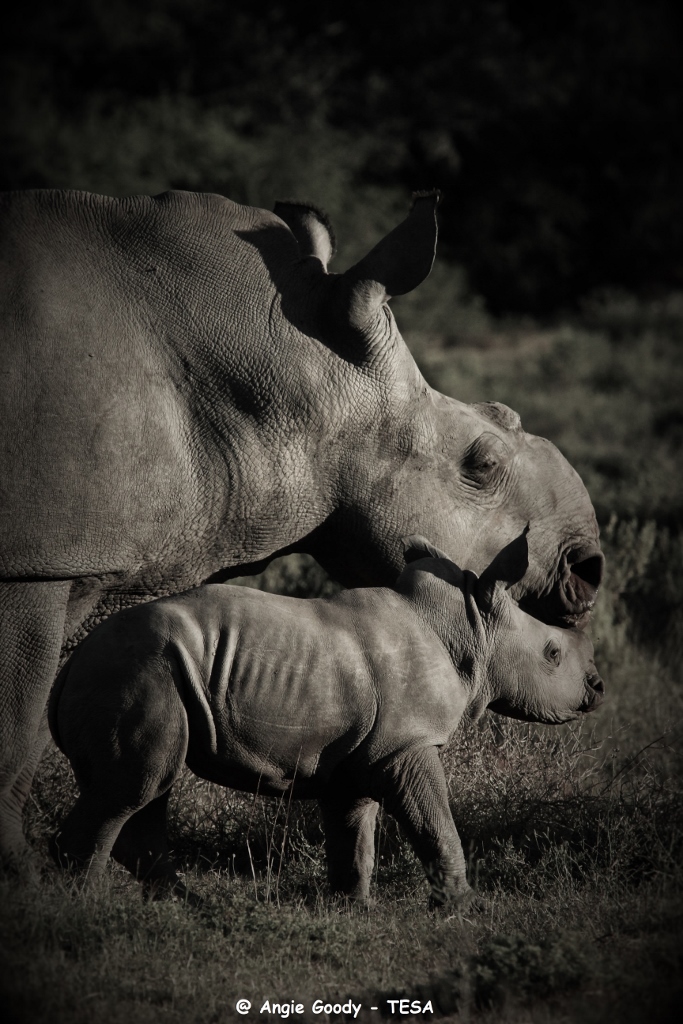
(522,667)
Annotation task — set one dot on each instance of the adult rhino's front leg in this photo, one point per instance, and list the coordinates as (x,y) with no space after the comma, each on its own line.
(413,787)
(349,825)
(32,617)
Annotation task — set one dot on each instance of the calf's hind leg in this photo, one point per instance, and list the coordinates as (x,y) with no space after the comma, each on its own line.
(142,848)
(84,840)
(127,744)
(105,822)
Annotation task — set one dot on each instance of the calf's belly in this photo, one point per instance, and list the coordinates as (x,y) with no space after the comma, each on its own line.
(236,768)
(258,757)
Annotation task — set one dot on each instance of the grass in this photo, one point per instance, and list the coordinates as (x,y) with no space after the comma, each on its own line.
(574,834)
(576,844)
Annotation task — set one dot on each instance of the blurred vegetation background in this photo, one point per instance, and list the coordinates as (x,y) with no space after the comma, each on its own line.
(553,129)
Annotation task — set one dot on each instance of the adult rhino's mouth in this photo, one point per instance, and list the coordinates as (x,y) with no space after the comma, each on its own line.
(570,600)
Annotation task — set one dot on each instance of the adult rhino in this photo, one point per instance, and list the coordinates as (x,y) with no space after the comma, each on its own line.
(187,392)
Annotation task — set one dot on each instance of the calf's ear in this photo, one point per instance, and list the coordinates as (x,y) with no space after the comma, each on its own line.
(507,568)
(419,547)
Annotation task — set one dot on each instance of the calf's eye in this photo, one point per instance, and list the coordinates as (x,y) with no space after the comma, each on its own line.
(552,652)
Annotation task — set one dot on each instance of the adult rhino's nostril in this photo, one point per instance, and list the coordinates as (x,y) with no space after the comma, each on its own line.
(595,693)
(590,570)
(581,587)
(573,595)
(596,683)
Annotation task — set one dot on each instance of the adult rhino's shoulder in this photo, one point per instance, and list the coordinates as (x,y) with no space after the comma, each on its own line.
(66,221)
(66,202)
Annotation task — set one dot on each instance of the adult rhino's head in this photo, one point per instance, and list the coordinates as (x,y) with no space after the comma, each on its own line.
(410,459)
(474,485)
(519,666)
(500,478)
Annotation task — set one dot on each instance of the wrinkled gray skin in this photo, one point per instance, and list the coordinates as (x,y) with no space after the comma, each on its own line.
(186,392)
(346,700)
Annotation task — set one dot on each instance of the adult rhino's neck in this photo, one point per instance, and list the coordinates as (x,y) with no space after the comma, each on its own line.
(289,426)
(385,451)
(283,416)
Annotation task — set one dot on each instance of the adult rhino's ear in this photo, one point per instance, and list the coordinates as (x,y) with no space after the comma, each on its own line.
(419,547)
(310,226)
(507,568)
(396,265)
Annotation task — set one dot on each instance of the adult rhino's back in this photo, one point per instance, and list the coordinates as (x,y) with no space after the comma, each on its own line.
(104,304)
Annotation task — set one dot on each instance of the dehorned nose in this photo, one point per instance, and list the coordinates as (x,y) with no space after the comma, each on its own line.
(596,683)
(594,695)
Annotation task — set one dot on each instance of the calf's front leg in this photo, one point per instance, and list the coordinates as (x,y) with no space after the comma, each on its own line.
(413,787)
(349,825)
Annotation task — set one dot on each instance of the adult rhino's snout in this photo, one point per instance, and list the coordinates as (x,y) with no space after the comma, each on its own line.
(570,600)
(582,578)
(595,693)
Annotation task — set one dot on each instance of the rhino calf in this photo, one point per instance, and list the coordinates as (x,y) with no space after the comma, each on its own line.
(346,700)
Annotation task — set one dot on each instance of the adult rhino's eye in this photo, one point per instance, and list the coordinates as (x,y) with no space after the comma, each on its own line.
(486,453)
(552,652)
